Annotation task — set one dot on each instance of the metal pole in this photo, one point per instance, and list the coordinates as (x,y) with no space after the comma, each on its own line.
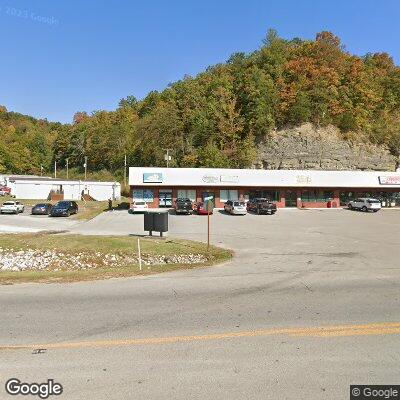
(167,158)
(125,172)
(140,256)
(208,230)
(41,170)
(67,168)
(85,167)
(55,169)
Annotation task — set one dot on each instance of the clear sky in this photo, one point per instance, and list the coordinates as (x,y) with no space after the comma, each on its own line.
(63,56)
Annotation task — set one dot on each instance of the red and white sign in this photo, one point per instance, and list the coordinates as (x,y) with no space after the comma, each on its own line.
(389,180)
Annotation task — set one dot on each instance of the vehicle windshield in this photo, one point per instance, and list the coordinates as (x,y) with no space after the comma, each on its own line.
(41,205)
(8,203)
(238,203)
(373,201)
(140,203)
(62,204)
(182,199)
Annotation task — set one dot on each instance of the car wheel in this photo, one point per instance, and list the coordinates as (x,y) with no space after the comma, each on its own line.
(68,214)
(258,211)
(364,209)
(350,206)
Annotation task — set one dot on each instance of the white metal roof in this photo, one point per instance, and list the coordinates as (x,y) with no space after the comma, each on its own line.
(209,177)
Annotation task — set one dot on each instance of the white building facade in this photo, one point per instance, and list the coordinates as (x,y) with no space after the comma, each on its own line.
(46,188)
(159,187)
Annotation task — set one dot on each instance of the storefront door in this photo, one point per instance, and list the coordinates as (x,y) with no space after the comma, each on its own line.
(165,198)
(290,198)
(208,196)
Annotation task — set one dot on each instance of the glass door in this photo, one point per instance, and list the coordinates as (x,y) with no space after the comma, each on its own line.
(165,198)
(291,198)
(208,196)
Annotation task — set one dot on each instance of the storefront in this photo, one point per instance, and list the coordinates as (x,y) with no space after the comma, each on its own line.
(160,187)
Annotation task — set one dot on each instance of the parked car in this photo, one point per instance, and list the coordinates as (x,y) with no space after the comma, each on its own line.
(183,206)
(64,209)
(201,209)
(365,204)
(4,191)
(12,207)
(261,206)
(139,206)
(42,209)
(235,207)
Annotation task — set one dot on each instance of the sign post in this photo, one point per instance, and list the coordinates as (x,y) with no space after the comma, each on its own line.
(210,207)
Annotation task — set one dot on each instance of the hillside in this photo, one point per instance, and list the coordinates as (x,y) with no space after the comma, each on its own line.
(249,111)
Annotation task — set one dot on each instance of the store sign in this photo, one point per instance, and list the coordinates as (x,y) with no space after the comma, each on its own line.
(210,179)
(389,180)
(303,179)
(229,178)
(152,177)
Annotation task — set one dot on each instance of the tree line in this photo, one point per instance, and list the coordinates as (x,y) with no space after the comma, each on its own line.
(217,118)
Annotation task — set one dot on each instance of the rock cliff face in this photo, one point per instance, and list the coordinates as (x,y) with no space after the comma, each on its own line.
(308,147)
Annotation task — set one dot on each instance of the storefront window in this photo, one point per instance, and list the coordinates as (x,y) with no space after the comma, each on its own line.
(314,196)
(273,195)
(187,194)
(228,194)
(146,195)
(345,197)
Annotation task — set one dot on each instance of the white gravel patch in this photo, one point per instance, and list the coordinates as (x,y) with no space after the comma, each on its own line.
(42,260)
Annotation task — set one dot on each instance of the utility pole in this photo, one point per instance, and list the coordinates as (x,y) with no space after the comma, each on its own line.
(167,157)
(67,166)
(85,165)
(125,172)
(55,169)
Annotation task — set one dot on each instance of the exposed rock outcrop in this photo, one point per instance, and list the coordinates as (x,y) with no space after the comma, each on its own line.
(308,147)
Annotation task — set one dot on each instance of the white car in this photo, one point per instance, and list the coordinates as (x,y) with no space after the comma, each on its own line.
(11,207)
(139,206)
(365,204)
(235,207)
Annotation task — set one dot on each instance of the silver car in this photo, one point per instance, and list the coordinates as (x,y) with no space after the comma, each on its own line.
(235,207)
(12,207)
(365,204)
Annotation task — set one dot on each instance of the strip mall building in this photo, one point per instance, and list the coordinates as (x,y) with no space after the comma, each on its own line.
(159,187)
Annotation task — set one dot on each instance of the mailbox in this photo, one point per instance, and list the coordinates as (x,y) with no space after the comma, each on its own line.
(156,221)
(161,221)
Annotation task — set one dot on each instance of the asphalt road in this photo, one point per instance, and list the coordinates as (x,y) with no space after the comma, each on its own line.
(309,305)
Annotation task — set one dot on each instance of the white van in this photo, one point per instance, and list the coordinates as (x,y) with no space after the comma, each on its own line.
(365,204)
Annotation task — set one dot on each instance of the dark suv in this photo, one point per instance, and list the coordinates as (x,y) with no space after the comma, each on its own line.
(64,209)
(183,206)
(261,206)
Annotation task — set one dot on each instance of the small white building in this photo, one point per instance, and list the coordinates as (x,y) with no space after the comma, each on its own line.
(45,188)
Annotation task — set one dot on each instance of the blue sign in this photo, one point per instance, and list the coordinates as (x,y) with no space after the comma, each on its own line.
(152,177)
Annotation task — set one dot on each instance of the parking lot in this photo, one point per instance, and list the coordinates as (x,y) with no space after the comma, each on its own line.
(297,268)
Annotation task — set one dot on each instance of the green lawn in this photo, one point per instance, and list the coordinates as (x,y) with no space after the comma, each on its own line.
(96,248)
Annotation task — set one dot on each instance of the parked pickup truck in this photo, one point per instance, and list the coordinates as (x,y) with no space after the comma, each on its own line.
(261,206)
(183,206)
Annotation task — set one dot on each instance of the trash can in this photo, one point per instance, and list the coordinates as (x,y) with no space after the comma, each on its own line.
(161,222)
(149,221)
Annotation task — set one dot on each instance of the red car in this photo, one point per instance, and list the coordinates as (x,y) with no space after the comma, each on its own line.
(4,190)
(201,209)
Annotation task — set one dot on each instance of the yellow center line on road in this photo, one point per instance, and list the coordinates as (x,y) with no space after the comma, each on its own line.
(384,328)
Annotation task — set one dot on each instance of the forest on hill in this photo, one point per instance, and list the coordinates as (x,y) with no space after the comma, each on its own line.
(217,118)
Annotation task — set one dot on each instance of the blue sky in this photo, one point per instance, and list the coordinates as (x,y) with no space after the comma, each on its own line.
(59,57)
